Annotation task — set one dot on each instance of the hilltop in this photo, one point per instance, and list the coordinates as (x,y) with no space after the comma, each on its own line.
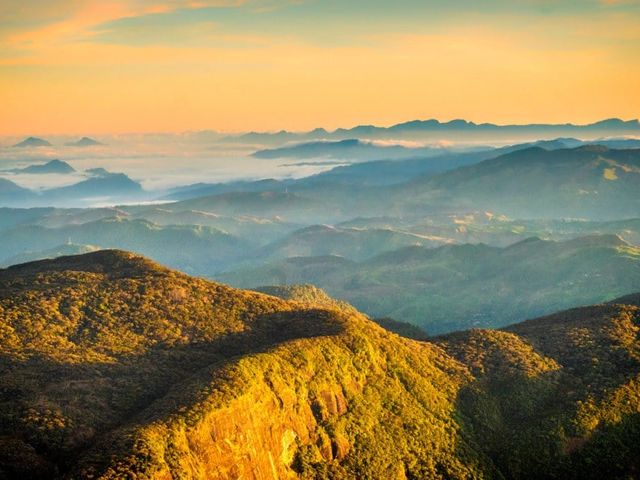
(139,371)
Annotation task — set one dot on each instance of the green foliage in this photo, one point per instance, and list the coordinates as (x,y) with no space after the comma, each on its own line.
(113,367)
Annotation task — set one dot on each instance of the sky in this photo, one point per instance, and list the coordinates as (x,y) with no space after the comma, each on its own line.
(112,66)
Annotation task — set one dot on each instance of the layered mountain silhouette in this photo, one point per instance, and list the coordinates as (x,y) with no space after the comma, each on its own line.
(455,129)
(115,367)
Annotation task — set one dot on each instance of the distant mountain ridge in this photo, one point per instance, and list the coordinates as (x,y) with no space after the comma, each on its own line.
(418,128)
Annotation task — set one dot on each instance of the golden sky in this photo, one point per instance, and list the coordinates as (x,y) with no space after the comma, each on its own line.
(91,67)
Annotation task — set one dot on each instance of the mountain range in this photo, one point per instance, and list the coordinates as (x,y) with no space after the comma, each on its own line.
(115,367)
(588,182)
(452,130)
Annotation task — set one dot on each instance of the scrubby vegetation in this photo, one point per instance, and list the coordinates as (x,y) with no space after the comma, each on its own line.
(114,367)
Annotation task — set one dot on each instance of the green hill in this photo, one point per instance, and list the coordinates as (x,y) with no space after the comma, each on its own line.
(462,286)
(114,367)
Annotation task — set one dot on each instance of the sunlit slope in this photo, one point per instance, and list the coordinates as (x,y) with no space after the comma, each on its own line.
(114,367)
(558,396)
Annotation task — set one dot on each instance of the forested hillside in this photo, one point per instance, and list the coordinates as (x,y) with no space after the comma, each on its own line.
(115,367)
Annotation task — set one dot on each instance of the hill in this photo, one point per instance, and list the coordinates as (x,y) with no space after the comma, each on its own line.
(32,142)
(587,182)
(136,371)
(558,396)
(460,286)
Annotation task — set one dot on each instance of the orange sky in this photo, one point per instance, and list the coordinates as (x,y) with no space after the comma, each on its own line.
(106,67)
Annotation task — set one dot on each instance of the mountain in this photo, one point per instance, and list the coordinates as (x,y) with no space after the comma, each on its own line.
(351,149)
(116,185)
(461,286)
(587,182)
(136,371)
(12,193)
(453,130)
(33,142)
(558,396)
(52,166)
(84,142)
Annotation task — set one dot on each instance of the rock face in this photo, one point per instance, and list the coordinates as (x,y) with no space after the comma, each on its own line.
(114,367)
